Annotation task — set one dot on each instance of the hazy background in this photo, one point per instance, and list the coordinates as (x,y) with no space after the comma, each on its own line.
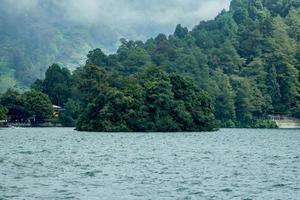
(36,33)
(135,19)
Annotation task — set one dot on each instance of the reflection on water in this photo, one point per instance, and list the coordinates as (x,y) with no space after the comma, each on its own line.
(60,163)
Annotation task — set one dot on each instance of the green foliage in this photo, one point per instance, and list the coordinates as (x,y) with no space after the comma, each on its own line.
(70,115)
(243,102)
(265,124)
(57,84)
(3,112)
(293,22)
(15,104)
(281,7)
(197,103)
(181,32)
(38,106)
(32,105)
(148,101)
(225,100)
(296,111)
(246,59)
(239,67)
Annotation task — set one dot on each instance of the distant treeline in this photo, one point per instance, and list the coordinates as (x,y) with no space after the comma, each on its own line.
(151,100)
(232,71)
(32,107)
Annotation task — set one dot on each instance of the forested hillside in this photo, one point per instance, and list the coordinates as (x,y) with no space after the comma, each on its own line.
(31,40)
(242,66)
(247,59)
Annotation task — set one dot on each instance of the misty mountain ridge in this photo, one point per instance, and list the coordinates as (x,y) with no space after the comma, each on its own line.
(35,34)
(31,41)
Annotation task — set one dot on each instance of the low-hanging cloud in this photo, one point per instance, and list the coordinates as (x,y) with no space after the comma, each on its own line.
(140,11)
(132,18)
(123,15)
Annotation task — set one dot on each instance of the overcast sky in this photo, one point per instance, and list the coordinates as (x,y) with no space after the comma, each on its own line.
(135,17)
(163,12)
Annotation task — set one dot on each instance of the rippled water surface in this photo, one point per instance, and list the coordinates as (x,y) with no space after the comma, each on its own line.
(58,163)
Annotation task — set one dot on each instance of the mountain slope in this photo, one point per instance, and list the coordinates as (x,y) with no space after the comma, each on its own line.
(247,59)
(37,33)
(31,41)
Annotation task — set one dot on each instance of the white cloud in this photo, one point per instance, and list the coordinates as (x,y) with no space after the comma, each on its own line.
(162,12)
(133,18)
(127,16)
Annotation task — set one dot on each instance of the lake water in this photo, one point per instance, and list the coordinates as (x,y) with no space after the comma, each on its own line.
(59,163)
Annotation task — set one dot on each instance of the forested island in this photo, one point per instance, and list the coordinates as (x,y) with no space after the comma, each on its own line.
(233,71)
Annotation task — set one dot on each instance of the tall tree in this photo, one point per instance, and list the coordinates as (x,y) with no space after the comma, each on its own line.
(243,103)
(181,32)
(3,112)
(15,104)
(224,103)
(38,106)
(58,84)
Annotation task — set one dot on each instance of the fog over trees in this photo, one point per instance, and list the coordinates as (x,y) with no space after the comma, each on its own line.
(34,33)
(242,66)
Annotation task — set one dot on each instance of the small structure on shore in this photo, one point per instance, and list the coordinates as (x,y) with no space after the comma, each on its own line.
(3,123)
(57,110)
(285,122)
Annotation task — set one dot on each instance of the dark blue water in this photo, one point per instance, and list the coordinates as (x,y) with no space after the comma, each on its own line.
(229,164)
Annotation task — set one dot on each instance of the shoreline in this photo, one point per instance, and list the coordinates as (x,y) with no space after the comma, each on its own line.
(247,128)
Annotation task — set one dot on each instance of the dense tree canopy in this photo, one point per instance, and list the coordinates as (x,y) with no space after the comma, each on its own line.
(3,112)
(238,68)
(32,105)
(57,84)
(246,59)
(15,104)
(38,106)
(70,115)
(151,100)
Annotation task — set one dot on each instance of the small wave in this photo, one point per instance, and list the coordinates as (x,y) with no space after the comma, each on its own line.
(34,152)
(237,174)
(104,156)
(141,158)
(26,152)
(70,197)
(38,163)
(196,193)
(44,151)
(207,152)
(272,164)
(278,185)
(17,164)
(61,191)
(39,175)
(10,196)
(181,189)
(136,194)
(226,190)
(92,173)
